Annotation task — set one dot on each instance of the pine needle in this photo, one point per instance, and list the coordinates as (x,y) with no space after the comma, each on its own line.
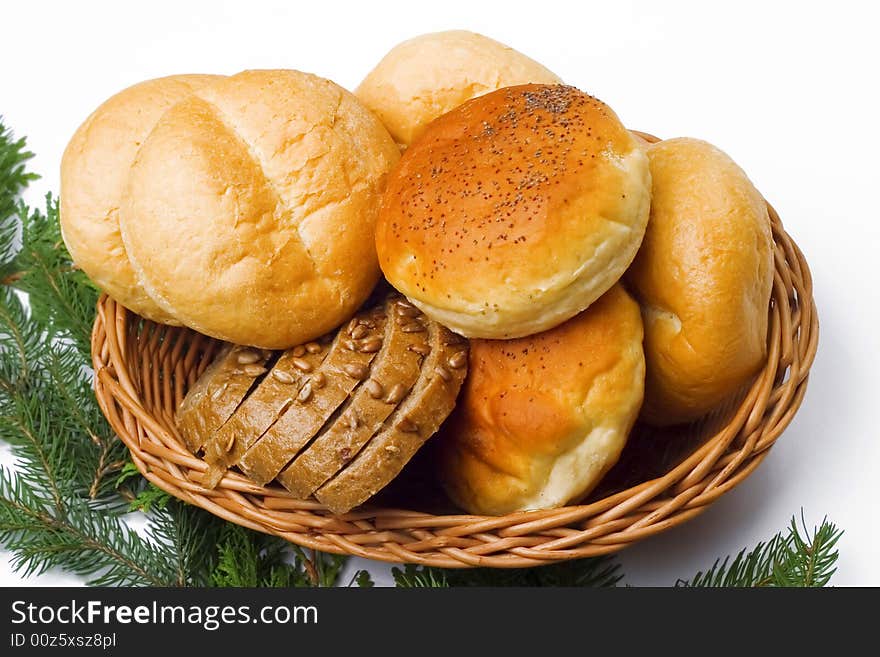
(794,558)
(61,297)
(595,572)
(13,180)
(259,560)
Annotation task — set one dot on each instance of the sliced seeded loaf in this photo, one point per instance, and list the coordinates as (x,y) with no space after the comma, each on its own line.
(347,364)
(393,374)
(415,420)
(284,385)
(218,393)
(340,416)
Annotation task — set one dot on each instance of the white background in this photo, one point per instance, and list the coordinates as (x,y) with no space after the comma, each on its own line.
(789,90)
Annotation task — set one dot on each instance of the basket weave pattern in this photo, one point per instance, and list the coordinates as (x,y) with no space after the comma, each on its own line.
(143,370)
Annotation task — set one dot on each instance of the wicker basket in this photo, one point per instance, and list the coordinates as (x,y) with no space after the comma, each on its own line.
(143,371)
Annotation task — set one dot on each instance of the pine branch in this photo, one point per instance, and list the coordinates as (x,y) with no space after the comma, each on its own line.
(17,349)
(84,540)
(47,410)
(149,499)
(61,297)
(13,179)
(46,516)
(595,572)
(362,580)
(788,559)
(809,562)
(190,535)
(247,559)
(417,577)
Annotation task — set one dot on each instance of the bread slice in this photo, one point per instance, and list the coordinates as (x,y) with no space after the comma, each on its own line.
(262,408)
(395,370)
(218,393)
(340,416)
(412,423)
(347,364)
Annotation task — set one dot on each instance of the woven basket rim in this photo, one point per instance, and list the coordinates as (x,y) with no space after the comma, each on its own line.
(140,365)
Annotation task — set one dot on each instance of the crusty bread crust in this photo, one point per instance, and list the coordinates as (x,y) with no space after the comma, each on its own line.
(425,77)
(94,172)
(541,419)
(249,211)
(703,278)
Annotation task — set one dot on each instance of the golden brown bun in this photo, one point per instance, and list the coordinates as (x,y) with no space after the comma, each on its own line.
(249,212)
(420,79)
(515,211)
(541,419)
(703,277)
(94,171)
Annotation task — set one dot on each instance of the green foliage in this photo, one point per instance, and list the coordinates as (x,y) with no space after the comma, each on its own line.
(150,498)
(794,558)
(416,577)
(61,297)
(263,560)
(596,572)
(362,580)
(128,472)
(13,179)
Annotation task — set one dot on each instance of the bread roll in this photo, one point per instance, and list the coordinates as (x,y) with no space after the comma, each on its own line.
(703,277)
(541,419)
(420,79)
(250,209)
(94,171)
(515,211)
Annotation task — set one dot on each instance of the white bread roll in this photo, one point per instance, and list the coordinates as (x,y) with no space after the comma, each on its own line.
(703,277)
(246,204)
(94,171)
(515,211)
(422,78)
(541,419)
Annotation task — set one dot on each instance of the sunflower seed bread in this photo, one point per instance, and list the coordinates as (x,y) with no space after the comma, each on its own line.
(399,361)
(415,420)
(336,418)
(218,392)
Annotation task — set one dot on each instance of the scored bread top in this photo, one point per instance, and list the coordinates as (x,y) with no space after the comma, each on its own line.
(94,173)
(218,393)
(413,422)
(398,362)
(248,212)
